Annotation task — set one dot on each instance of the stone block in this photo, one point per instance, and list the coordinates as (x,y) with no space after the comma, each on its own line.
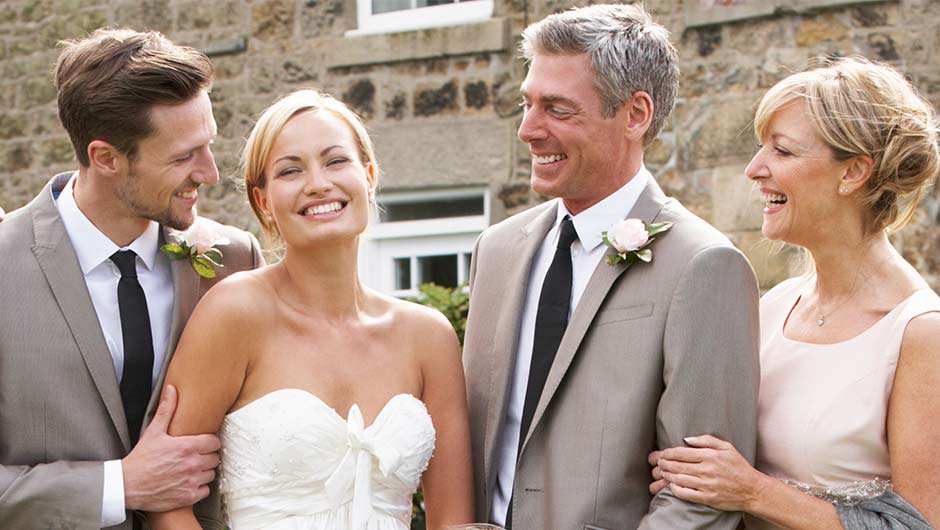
(512,196)
(45,121)
(736,200)
(199,15)
(880,46)
(273,19)
(56,151)
(144,15)
(397,106)
(715,132)
(702,78)
(456,152)
(759,35)
(435,100)
(323,17)
(773,262)
(875,15)
(660,151)
(37,91)
(691,188)
(17,156)
(476,94)
(823,28)
(298,71)
(12,125)
(489,36)
(361,97)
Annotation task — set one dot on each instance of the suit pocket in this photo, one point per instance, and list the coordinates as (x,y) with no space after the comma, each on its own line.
(592,527)
(620,314)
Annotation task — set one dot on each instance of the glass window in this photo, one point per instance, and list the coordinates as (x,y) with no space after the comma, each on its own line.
(440,270)
(390,16)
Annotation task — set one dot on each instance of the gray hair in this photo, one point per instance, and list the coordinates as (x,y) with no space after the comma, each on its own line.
(629,53)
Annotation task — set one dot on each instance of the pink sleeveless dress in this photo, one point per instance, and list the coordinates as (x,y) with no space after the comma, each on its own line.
(823,407)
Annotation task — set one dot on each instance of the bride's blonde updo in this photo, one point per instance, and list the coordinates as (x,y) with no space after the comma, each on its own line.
(862,108)
(269,125)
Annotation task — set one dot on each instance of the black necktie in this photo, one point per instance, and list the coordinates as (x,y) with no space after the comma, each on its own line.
(550,323)
(138,342)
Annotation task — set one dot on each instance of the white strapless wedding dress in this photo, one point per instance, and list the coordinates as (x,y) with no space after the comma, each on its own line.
(290,462)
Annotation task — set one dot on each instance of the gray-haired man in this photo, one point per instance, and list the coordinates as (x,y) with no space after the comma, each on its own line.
(576,368)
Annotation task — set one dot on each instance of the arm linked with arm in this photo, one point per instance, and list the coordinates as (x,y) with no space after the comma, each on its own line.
(710,372)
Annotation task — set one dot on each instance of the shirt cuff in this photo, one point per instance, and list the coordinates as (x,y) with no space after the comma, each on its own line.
(112,502)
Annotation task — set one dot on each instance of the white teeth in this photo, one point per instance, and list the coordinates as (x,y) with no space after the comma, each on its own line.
(191,194)
(323,208)
(549,159)
(772,199)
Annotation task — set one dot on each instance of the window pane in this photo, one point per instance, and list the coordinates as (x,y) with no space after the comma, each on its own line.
(441,270)
(431,209)
(423,3)
(385,6)
(402,273)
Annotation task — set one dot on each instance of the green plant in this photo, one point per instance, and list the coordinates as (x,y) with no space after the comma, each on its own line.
(454,304)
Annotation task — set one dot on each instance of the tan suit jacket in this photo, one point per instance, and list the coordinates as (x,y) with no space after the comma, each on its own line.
(61,414)
(653,352)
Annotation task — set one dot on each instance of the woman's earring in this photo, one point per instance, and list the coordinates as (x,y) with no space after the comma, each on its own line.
(843,190)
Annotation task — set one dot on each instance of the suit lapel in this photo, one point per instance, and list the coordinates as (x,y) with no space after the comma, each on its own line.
(520,250)
(648,205)
(57,259)
(185,296)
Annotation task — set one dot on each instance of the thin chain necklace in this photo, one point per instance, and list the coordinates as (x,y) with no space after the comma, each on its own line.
(821,320)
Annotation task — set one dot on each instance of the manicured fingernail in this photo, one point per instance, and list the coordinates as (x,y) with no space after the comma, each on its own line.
(688,439)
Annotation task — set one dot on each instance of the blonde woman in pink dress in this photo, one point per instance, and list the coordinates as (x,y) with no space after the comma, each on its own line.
(849,435)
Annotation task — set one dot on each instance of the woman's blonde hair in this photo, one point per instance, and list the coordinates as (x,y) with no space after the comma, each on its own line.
(861,108)
(270,124)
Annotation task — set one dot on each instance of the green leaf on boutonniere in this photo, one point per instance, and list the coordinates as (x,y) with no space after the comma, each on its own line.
(203,266)
(655,228)
(644,254)
(214,255)
(174,252)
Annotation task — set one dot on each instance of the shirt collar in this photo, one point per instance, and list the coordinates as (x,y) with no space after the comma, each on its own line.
(590,223)
(91,246)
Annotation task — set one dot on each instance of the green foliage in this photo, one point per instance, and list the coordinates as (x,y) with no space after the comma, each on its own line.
(454,304)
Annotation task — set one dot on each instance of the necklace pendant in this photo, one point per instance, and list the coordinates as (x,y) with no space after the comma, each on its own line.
(821,321)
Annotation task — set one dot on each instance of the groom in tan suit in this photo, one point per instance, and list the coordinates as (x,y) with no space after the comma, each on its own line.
(92,310)
(577,368)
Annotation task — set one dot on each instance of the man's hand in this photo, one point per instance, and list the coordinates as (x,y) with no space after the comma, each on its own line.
(166,472)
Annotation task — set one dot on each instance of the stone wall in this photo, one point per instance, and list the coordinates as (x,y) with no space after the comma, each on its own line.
(442,103)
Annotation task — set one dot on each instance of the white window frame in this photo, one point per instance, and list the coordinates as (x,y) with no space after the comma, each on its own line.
(386,241)
(417,18)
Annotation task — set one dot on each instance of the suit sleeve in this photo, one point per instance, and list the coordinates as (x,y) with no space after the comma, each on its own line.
(710,373)
(55,495)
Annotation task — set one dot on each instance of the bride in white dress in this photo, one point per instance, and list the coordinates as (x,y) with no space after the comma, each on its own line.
(332,401)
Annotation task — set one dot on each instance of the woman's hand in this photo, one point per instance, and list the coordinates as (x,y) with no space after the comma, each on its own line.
(710,471)
(658,481)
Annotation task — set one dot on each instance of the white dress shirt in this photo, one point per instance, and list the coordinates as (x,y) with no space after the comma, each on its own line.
(94,251)
(586,252)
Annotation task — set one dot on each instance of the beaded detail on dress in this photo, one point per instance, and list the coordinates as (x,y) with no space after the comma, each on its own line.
(847,495)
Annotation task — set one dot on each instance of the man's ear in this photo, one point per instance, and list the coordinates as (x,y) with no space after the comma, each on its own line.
(639,109)
(857,172)
(105,159)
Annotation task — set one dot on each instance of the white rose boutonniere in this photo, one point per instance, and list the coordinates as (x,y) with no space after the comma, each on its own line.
(631,239)
(200,250)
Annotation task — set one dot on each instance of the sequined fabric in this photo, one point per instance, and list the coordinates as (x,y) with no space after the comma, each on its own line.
(847,495)
(290,462)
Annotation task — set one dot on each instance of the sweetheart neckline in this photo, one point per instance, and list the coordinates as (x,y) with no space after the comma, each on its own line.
(326,405)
